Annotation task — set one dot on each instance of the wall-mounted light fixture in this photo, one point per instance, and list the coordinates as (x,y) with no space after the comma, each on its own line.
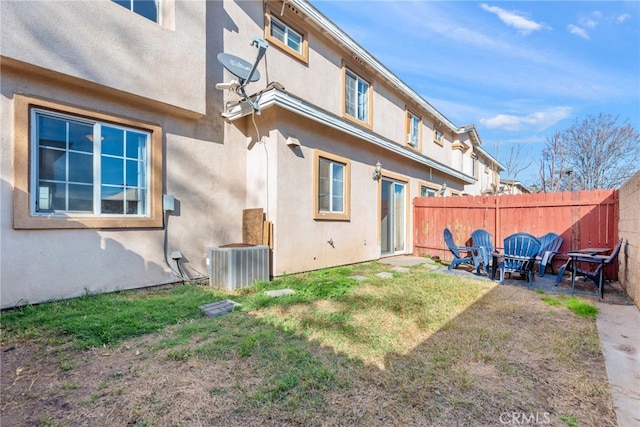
(377,173)
(443,188)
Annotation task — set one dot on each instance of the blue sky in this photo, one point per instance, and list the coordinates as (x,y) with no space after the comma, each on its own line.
(517,70)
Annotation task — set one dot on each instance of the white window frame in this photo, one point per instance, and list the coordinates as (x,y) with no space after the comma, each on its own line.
(426,191)
(287,33)
(357,97)
(330,192)
(336,186)
(131,5)
(413,131)
(141,188)
(23,199)
(438,137)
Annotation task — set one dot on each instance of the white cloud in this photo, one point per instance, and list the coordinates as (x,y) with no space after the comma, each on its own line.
(512,19)
(588,22)
(580,32)
(621,18)
(539,120)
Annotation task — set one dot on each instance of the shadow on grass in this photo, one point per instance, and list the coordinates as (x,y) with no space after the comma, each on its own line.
(418,349)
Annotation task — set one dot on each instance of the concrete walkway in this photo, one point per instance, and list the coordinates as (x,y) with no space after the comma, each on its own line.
(618,323)
(619,330)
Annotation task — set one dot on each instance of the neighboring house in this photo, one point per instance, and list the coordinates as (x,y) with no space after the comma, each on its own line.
(106,109)
(509,186)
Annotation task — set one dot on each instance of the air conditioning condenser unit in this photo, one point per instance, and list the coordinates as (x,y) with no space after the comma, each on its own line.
(233,267)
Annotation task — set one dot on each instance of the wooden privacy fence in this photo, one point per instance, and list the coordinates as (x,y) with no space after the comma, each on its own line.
(582,218)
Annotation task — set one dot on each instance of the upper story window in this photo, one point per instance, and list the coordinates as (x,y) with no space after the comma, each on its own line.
(332,187)
(474,166)
(438,137)
(413,130)
(285,36)
(356,97)
(81,169)
(150,9)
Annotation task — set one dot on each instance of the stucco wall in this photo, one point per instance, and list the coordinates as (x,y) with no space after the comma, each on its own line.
(104,58)
(206,175)
(320,81)
(629,230)
(104,43)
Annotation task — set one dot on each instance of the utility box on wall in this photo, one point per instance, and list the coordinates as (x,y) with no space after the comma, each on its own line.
(237,266)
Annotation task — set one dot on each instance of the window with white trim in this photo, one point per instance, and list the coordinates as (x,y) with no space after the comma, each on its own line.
(413,129)
(87,167)
(356,97)
(150,9)
(286,35)
(427,191)
(286,31)
(438,137)
(331,187)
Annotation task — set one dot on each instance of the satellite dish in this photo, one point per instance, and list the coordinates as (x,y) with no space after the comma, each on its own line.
(246,72)
(238,67)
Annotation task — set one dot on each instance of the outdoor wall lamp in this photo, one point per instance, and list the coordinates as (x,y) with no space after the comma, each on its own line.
(377,174)
(443,188)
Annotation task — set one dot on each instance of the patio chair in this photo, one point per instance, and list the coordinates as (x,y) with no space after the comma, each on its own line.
(520,251)
(482,249)
(584,267)
(549,246)
(456,250)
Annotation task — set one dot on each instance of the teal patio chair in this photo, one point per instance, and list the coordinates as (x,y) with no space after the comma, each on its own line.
(482,249)
(520,251)
(549,246)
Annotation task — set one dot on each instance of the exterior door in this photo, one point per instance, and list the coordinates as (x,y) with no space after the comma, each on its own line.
(392,217)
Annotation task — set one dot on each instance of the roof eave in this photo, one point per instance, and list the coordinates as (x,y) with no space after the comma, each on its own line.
(283,99)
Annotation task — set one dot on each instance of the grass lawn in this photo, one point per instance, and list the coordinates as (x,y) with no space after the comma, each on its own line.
(421,349)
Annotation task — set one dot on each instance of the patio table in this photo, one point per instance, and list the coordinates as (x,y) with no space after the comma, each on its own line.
(574,257)
(592,251)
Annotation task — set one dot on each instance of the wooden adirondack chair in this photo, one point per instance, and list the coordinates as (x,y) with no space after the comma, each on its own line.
(584,267)
(520,251)
(456,250)
(482,249)
(549,246)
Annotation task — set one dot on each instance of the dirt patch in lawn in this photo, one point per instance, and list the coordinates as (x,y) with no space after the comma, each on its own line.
(508,358)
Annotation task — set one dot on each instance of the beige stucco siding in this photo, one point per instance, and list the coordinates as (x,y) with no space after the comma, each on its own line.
(206,175)
(98,58)
(103,43)
(282,177)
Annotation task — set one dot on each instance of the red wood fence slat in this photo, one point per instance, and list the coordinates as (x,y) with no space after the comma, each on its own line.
(582,218)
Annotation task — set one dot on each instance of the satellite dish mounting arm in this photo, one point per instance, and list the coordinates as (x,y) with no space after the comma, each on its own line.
(262,46)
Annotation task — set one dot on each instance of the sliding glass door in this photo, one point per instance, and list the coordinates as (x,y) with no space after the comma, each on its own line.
(392,217)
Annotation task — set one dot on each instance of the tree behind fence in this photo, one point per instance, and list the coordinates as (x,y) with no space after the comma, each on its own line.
(582,218)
